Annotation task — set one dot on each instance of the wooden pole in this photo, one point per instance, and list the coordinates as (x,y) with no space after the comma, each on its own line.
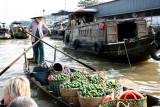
(21,55)
(65,54)
(25,60)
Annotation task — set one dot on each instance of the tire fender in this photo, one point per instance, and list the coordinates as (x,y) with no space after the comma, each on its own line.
(154,49)
(67,39)
(98,46)
(76,44)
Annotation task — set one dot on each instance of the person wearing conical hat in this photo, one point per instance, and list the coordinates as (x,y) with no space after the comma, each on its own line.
(37,27)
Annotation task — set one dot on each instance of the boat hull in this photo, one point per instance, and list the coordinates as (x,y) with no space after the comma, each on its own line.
(134,50)
(21,35)
(58,37)
(5,36)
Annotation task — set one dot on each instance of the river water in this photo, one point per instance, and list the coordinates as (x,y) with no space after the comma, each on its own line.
(143,76)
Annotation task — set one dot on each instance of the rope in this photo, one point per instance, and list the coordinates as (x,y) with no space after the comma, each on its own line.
(127,54)
(154,41)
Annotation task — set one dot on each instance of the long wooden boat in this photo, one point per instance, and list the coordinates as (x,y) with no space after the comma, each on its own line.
(151,101)
(116,40)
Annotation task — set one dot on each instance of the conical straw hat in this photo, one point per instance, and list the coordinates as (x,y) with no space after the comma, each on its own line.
(36,15)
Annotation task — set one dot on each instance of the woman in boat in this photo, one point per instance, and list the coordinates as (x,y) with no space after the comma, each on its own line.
(15,87)
(37,27)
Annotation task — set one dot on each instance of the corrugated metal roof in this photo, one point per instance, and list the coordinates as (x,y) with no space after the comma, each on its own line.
(125,6)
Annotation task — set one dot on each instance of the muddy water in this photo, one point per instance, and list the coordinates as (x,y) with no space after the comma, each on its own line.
(143,76)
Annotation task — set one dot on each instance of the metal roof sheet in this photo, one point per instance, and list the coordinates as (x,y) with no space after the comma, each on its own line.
(125,6)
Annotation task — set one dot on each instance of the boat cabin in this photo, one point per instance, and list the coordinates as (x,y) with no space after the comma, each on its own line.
(84,27)
(4,31)
(3,28)
(118,30)
(83,16)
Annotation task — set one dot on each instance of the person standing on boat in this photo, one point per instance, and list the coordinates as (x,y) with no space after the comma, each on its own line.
(37,27)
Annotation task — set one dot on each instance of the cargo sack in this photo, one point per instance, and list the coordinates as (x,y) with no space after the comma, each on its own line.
(41,74)
(129,102)
(55,85)
(70,95)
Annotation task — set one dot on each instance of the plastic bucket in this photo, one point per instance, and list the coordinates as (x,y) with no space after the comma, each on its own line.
(57,67)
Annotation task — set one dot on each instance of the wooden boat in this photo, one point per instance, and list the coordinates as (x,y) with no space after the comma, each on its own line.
(4,32)
(17,31)
(151,101)
(58,30)
(116,40)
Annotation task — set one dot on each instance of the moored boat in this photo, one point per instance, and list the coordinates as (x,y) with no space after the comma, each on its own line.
(17,32)
(58,30)
(4,32)
(151,101)
(116,40)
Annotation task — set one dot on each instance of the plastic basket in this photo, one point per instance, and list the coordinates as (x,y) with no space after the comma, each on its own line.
(55,85)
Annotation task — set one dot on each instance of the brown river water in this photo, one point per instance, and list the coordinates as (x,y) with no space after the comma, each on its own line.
(143,76)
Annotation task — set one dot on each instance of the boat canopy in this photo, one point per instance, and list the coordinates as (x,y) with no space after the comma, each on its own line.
(92,11)
(87,15)
(4,23)
(16,23)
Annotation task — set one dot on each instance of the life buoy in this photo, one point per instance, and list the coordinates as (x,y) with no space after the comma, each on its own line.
(98,47)
(67,39)
(76,44)
(154,50)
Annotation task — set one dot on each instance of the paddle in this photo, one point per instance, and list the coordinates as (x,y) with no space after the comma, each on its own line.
(21,55)
(65,53)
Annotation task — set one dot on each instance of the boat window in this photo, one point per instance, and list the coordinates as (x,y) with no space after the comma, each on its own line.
(126,30)
(91,32)
(79,32)
(86,32)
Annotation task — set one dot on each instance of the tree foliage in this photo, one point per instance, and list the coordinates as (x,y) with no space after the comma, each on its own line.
(87,3)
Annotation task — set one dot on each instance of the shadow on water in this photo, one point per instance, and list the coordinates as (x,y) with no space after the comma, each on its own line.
(93,60)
